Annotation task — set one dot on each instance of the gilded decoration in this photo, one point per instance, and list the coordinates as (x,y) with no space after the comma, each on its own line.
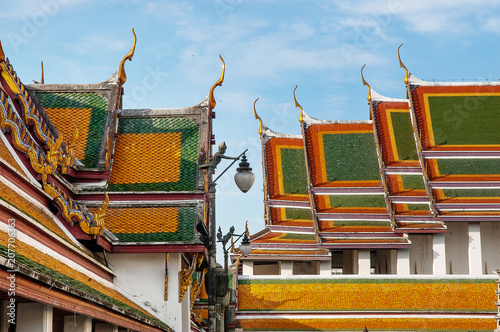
(186,275)
(49,165)
(369,96)
(197,284)
(185,279)
(401,65)
(32,116)
(68,159)
(218,83)
(301,116)
(72,212)
(21,138)
(99,215)
(257,117)
(122,76)
(108,152)
(46,165)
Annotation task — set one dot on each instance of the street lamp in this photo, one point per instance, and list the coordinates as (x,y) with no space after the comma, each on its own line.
(246,246)
(244,179)
(245,249)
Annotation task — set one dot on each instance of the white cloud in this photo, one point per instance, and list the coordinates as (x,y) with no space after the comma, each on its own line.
(35,10)
(491,24)
(424,16)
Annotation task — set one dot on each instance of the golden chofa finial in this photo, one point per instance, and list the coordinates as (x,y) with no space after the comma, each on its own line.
(2,54)
(301,116)
(257,117)
(369,96)
(218,83)
(121,70)
(42,78)
(403,66)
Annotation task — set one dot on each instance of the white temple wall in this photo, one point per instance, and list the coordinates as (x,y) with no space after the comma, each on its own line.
(421,254)
(143,277)
(286,268)
(490,245)
(457,253)
(34,317)
(247,268)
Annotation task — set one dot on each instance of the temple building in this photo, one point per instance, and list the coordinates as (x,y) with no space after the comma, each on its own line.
(388,224)
(103,210)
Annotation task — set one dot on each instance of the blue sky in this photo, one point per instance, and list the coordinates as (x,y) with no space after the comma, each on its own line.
(269,47)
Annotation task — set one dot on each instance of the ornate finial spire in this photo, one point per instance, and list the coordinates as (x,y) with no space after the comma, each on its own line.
(369,96)
(246,228)
(301,116)
(218,83)
(99,214)
(257,117)
(42,78)
(122,77)
(403,66)
(2,54)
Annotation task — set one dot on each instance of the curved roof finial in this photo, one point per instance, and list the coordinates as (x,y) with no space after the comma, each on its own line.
(369,96)
(218,83)
(403,66)
(122,77)
(257,117)
(2,54)
(301,116)
(42,78)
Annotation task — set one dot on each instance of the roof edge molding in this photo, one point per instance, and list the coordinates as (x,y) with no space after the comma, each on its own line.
(377,97)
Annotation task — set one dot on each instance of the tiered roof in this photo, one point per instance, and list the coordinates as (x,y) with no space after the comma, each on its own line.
(81,175)
(346,192)
(290,229)
(460,146)
(417,163)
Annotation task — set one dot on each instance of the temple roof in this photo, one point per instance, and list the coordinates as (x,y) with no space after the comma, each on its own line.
(459,144)
(87,107)
(157,150)
(81,175)
(415,165)
(154,223)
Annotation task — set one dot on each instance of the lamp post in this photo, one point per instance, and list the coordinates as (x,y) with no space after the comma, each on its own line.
(244,182)
(245,249)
